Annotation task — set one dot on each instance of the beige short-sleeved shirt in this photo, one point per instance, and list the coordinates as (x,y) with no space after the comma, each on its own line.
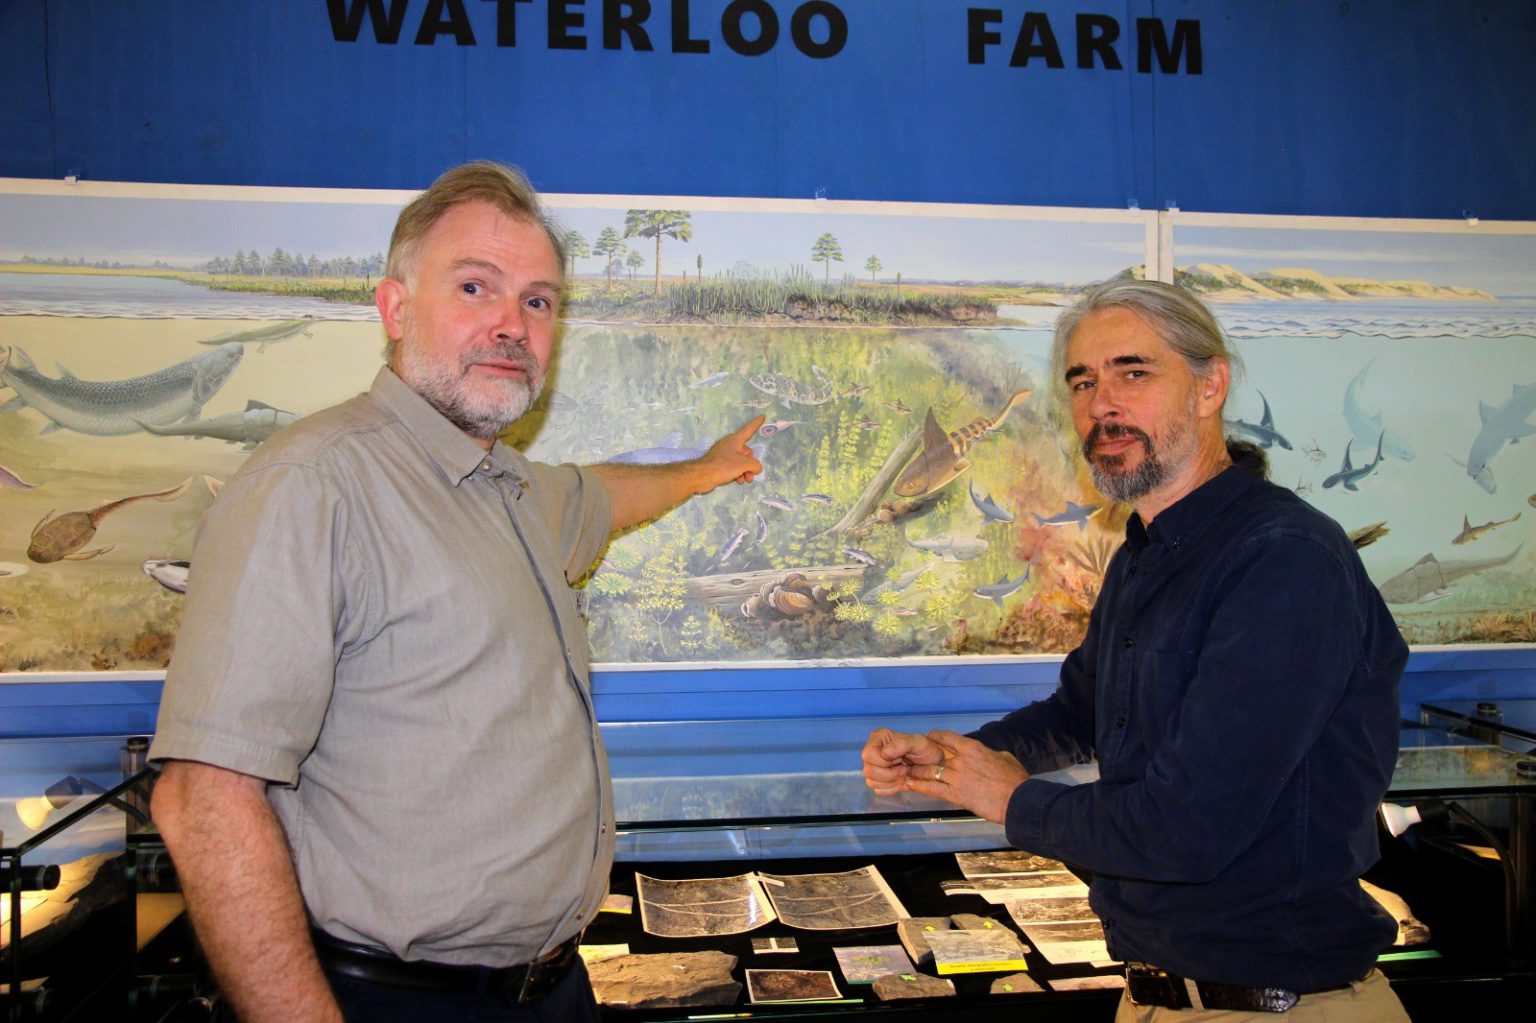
(379,621)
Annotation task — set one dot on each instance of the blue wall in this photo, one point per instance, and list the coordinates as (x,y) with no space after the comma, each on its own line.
(1370,107)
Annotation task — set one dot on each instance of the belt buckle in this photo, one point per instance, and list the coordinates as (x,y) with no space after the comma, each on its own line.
(536,971)
(1148,985)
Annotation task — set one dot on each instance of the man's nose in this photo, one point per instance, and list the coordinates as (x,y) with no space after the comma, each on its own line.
(512,323)
(1105,403)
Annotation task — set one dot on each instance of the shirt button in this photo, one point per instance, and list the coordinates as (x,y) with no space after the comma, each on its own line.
(485,466)
(1120,722)
(1127,642)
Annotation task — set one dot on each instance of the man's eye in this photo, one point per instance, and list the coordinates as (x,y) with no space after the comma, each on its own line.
(540,303)
(471,287)
(1082,385)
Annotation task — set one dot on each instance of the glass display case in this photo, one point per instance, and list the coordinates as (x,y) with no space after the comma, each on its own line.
(1509,723)
(69,922)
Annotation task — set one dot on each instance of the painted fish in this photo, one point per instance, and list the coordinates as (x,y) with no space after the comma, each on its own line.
(263,336)
(1429,578)
(762,527)
(793,392)
(989,509)
(1263,432)
(756,403)
(724,554)
(10,569)
(898,407)
(1367,535)
(59,538)
(713,380)
(110,407)
(868,424)
(1503,425)
(248,429)
(1366,426)
(821,499)
(1348,474)
(898,584)
(778,426)
(13,481)
(860,555)
(1302,488)
(1469,532)
(170,574)
(854,391)
(942,458)
(776,503)
(951,548)
(1078,513)
(1314,453)
(1004,587)
(671,449)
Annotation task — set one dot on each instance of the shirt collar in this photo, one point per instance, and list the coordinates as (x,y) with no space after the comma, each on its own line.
(1188,518)
(454,452)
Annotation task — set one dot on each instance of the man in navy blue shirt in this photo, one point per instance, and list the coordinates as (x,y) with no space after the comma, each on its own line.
(1237,685)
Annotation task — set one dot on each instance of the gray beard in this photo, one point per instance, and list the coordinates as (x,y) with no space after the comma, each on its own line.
(442,387)
(1119,486)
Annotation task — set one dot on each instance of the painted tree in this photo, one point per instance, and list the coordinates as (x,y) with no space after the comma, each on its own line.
(634,261)
(874,266)
(576,247)
(658,224)
(825,251)
(608,247)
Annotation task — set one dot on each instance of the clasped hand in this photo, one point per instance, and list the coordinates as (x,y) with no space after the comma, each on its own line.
(943,765)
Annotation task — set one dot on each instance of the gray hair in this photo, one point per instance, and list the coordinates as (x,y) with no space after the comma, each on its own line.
(502,185)
(1180,319)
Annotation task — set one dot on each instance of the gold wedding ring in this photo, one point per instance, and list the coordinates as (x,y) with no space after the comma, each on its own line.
(938,774)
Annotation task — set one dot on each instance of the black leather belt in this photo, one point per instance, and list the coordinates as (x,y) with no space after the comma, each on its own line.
(526,981)
(1148,985)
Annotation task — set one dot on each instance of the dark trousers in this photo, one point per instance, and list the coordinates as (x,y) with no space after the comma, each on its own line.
(362,1002)
(571,1001)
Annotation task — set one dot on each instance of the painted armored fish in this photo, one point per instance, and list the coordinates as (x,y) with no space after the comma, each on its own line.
(1263,432)
(1503,425)
(1367,426)
(1004,587)
(1469,532)
(110,407)
(793,392)
(989,508)
(59,538)
(724,553)
(1367,535)
(898,584)
(1430,578)
(950,548)
(942,458)
(170,574)
(1348,474)
(249,428)
(1074,513)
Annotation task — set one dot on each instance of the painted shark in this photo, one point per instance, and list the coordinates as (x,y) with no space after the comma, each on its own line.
(943,456)
(1348,474)
(1366,426)
(1263,432)
(1503,425)
(1078,513)
(1469,532)
(248,429)
(1004,587)
(990,510)
(110,407)
(1429,578)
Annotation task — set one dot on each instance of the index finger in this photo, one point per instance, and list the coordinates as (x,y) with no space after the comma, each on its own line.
(951,741)
(741,435)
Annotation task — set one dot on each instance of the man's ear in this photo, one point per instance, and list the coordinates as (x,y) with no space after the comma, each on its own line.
(1213,388)
(390,297)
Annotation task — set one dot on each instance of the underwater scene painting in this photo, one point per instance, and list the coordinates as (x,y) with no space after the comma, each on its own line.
(918,496)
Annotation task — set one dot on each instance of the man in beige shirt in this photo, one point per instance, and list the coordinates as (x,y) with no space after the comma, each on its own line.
(383,785)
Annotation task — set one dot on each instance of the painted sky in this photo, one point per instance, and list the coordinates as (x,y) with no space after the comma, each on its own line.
(1504,265)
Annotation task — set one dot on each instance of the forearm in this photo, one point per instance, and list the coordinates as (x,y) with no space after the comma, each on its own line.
(237,875)
(640,493)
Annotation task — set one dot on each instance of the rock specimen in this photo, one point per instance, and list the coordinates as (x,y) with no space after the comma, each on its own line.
(896,986)
(665,981)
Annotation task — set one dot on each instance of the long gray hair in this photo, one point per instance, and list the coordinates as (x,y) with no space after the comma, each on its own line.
(1179,318)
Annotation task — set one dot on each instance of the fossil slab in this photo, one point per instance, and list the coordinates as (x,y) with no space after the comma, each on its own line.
(665,981)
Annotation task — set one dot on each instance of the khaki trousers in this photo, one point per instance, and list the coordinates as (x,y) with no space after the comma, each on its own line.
(1365,1001)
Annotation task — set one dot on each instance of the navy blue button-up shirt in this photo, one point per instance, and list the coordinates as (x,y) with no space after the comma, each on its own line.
(1238,685)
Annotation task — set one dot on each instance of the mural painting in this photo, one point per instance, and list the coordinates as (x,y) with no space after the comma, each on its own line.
(918,497)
